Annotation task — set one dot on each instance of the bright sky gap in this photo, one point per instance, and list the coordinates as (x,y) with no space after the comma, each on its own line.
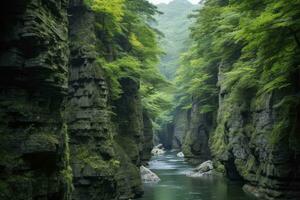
(168,1)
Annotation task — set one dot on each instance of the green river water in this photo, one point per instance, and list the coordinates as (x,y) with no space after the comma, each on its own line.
(175,185)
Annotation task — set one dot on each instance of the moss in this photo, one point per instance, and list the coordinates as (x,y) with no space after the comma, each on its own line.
(115,163)
(89,157)
(129,146)
(219,167)
(186,149)
(279,132)
(243,166)
(259,102)
(66,145)
(128,176)
(66,173)
(217,143)
(284,126)
(67,180)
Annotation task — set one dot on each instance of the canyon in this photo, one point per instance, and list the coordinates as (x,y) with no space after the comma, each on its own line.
(63,136)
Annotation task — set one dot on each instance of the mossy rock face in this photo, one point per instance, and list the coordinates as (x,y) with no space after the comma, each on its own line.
(104,152)
(257,140)
(93,174)
(148,138)
(92,154)
(180,128)
(196,141)
(129,119)
(129,139)
(50,96)
(128,177)
(33,84)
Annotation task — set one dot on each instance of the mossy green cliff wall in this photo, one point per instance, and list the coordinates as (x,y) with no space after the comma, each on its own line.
(257,140)
(252,138)
(105,148)
(33,85)
(55,108)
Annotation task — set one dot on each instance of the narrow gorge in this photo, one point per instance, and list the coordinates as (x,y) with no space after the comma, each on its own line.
(89,87)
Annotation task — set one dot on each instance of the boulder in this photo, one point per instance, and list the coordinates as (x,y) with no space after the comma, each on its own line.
(180,155)
(148,176)
(204,169)
(252,190)
(158,150)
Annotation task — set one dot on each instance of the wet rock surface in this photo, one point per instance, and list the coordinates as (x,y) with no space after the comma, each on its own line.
(148,176)
(158,150)
(204,169)
(180,155)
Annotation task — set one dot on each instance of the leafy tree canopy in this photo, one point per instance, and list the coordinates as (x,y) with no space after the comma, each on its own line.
(129,48)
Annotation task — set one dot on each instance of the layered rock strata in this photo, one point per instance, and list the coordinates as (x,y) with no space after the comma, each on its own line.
(51,99)
(257,141)
(33,86)
(105,150)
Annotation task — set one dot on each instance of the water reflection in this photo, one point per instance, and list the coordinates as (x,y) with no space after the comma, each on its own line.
(175,185)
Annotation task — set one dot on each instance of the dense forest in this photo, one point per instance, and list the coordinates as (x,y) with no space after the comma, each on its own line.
(89,88)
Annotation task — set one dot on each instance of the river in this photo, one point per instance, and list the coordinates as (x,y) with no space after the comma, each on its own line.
(175,185)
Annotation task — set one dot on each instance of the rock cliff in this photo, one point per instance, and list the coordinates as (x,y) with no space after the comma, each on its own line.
(33,85)
(92,156)
(257,140)
(59,136)
(181,124)
(105,149)
(254,138)
(129,137)
(195,144)
(148,138)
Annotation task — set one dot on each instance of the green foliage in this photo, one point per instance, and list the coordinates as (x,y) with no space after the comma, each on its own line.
(270,37)
(109,14)
(254,46)
(111,8)
(95,161)
(125,67)
(197,76)
(243,51)
(128,48)
(159,106)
